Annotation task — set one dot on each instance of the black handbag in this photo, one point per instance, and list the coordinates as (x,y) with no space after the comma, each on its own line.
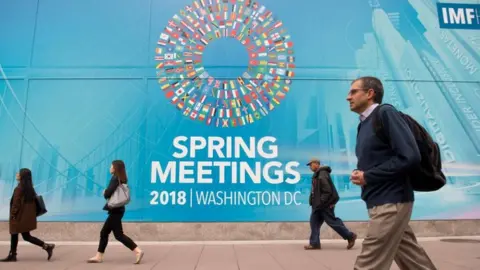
(41,209)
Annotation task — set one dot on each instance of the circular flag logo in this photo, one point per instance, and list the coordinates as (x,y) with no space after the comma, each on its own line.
(218,101)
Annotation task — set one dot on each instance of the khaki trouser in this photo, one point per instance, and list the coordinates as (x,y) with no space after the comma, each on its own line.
(389,237)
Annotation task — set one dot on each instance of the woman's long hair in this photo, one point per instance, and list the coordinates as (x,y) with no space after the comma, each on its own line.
(120,171)
(26,184)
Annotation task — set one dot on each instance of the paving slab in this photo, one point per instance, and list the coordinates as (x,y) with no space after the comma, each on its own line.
(255,255)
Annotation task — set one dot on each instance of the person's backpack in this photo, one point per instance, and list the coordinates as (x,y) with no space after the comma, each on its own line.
(428,175)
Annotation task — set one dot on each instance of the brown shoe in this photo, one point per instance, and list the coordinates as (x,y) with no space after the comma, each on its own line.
(310,247)
(351,241)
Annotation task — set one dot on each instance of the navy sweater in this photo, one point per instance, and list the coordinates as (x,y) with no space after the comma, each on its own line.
(385,164)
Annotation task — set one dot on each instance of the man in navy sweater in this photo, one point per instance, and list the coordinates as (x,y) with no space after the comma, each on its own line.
(382,174)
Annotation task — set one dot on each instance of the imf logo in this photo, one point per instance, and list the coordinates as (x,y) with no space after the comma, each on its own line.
(186,77)
(459,16)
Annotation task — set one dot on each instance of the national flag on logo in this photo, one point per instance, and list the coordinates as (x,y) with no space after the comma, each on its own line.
(170,56)
(242,89)
(280,95)
(281,57)
(281,71)
(162,80)
(169,94)
(180,91)
(241,121)
(253,107)
(224,123)
(203,98)
(238,112)
(179,48)
(164,36)
(275,36)
(187,111)
(213,111)
(174,99)
(205,109)
(249,118)
(165,86)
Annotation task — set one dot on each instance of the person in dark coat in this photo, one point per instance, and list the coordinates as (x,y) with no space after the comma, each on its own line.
(23,216)
(115,215)
(323,198)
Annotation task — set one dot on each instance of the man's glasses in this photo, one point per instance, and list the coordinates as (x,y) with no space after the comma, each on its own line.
(355,90)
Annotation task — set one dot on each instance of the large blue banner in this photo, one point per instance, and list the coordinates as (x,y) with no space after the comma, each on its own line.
(217,105)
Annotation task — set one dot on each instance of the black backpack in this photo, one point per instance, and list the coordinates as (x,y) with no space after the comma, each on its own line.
(428,175)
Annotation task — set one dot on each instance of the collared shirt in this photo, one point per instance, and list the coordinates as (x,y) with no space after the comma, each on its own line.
(368,111)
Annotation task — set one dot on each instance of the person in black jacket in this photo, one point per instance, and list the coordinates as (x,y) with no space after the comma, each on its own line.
(115,215)
(323,198)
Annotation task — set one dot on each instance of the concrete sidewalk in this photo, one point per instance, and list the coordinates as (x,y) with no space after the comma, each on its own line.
(254,255)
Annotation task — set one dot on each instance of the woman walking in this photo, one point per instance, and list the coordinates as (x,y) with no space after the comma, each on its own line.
(115,215)
(23,216)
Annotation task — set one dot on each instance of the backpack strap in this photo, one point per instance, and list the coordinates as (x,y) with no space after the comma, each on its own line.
(377,123)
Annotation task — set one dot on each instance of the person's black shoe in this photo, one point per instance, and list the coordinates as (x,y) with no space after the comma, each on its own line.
(351,241)
(49,249)
(312,247)
(12,257)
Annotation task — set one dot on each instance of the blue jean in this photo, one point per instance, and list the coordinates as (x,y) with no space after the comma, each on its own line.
(328,216)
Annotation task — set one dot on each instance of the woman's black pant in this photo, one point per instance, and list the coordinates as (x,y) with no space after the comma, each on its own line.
(114,223)
(27,237)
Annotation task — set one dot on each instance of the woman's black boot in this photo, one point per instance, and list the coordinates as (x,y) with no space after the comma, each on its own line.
(49,248)
(12,257)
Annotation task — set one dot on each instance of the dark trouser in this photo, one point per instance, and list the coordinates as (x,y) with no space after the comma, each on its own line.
(326,215)
(27,237)
(114,223)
